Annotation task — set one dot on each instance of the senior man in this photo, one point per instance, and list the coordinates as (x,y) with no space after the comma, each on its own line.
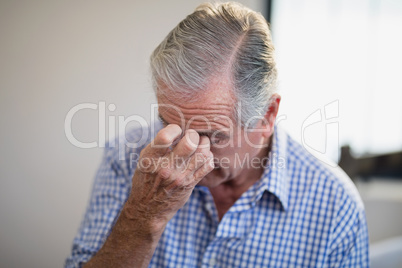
(219,185)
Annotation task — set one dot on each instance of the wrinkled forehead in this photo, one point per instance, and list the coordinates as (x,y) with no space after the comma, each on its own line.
(211,109)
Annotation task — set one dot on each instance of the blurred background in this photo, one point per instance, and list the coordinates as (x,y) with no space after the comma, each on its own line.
(339,68)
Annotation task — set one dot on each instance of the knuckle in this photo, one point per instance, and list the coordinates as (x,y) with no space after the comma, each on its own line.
(181,183)
(201,157)
(210,154)
(204,156)
(145,165)
(188,145)
(144,152)
(165,173)
(209,165)
(179,180)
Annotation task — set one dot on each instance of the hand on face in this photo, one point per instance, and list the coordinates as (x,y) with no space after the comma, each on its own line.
(165,177)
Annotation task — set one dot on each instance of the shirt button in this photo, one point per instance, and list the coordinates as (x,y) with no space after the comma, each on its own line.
(212,261)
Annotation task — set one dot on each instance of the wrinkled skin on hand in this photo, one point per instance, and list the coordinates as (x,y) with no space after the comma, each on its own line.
(165,177)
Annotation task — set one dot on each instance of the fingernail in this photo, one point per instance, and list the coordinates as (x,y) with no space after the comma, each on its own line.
(204,143)
(193,136)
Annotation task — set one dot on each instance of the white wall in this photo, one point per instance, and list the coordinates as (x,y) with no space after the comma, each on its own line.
(53,56)
(346,53)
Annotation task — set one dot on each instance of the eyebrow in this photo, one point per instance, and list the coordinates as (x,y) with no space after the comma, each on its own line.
(163,120)
(201,133)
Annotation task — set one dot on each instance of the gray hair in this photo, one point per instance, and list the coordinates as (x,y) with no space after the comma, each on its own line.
(219,38)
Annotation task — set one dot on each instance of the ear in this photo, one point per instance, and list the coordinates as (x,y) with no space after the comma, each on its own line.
(270,116)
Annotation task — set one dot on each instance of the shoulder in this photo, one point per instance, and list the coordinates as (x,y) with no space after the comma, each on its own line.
(323,190)
(123,151)
(321,180)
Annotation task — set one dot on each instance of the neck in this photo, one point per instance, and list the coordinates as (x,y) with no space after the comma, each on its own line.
(226,194)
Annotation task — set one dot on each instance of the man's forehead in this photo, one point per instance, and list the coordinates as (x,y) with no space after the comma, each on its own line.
(210,109)
(200,123)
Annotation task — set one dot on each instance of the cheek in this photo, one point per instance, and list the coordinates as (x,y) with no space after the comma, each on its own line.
(252,139)
(249,147)
(222,152)
(224,157)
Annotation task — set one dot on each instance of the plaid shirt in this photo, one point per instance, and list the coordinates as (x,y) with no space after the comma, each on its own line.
(301,213)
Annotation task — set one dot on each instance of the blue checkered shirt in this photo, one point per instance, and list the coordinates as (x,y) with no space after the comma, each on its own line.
(301,213)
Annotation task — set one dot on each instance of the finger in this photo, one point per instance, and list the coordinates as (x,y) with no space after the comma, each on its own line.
(188,178)
(202,154)
(203,171)
(164,139)
(205,144)
(187,145)
(187,167)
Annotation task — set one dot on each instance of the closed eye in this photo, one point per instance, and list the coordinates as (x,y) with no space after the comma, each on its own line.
(215,137)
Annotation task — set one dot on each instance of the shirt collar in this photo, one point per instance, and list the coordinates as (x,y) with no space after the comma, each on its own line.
(274,179)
